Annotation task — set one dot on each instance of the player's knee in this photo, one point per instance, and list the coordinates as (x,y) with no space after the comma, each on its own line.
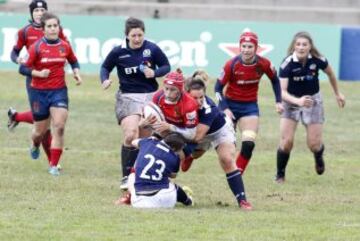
(248,135)
(247,148)
(227,163)
(314,146)
(38,134)
(286,145)
(59,129)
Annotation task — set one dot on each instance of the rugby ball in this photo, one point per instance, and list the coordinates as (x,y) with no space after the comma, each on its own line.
(152,109)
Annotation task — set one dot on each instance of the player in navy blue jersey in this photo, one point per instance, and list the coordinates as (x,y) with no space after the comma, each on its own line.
(156,163)
(138,62)
(302,100)
(215,130)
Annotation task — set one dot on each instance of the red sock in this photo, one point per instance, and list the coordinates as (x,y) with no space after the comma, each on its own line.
(55,156)
(46,143)
(241,163)
(25,116)
(186,163)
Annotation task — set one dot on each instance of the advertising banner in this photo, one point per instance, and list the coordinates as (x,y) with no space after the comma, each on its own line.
(189,44)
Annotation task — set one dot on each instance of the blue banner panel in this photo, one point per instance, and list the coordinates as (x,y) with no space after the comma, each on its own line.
(350,54)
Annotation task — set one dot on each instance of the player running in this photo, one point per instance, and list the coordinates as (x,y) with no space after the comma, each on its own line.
(241,76)
(26,36)
(303,101)
(214,130)
(48,92)
(138,62)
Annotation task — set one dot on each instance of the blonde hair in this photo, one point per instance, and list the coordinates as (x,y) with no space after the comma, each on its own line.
(197,75)
(203,75)
(313,51)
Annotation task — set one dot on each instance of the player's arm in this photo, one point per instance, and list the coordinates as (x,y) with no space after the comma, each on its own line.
(219,88)
(15,56)
(201,130)
(162,62)
(188,133)
(305,100)
(106,68)
(17,48)
(220,84)
(275,82)
(163,126)
(340,98)
(26,68)
(71,58)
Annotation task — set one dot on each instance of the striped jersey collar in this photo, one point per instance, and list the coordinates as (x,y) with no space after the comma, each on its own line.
(296,59)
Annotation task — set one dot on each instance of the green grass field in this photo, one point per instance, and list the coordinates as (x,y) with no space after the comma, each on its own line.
(78,205)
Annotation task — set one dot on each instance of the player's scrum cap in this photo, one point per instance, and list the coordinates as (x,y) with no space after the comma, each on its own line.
(176,79)
(37,4)
(249,37)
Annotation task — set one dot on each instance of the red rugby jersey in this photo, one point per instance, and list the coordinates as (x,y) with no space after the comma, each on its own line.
(29,34)
(43,55)
(242,80)
(183,114)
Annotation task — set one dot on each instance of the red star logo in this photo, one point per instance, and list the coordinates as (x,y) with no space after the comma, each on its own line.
(232,49)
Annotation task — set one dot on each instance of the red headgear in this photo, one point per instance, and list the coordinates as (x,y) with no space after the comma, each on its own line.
(249,37)
(176,79)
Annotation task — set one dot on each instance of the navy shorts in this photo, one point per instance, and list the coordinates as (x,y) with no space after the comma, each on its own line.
(28,86)
(241,109)
(42,100)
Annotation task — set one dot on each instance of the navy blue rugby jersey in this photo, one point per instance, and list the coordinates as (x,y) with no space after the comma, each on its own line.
(211,115)
(129,64)
(303,79)
(154,165)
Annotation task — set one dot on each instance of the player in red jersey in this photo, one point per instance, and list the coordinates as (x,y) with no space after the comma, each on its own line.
(178,107)
(48,92)
(26,36)
(241,76)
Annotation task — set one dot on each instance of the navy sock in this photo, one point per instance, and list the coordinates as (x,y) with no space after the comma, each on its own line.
(128,157)
(319,155)
(236,184)
(282,159)
(124,157)
(182,197)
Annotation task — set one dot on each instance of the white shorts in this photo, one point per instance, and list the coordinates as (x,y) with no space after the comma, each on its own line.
(225,134)
(307,115)
(131,104)
(165,198)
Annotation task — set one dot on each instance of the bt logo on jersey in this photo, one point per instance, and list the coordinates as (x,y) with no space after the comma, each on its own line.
(131,70)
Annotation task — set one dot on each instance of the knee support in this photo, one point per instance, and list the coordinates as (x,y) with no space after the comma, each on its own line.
(247,148)
(247,135)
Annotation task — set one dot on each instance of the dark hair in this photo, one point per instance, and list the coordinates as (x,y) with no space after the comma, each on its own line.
(46,16)
(175,140)
(133,23)
(196,84)
(313,51)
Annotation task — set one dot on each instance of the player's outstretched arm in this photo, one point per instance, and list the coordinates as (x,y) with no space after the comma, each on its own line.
(340,98)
